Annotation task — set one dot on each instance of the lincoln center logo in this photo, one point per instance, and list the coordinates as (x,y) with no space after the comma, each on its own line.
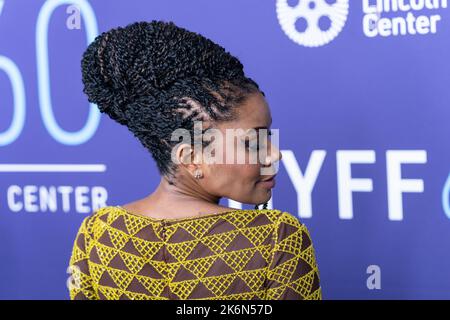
(312,23)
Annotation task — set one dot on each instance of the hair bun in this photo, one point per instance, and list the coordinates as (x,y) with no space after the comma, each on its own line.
(143,59)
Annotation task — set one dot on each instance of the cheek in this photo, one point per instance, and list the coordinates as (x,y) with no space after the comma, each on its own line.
(243,170)
(249,171)
(238,176)
(235,175)
(237,182)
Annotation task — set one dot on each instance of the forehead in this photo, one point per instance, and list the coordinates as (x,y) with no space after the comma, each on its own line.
(254,112)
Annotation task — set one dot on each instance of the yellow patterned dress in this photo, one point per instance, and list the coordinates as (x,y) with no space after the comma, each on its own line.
(263,254)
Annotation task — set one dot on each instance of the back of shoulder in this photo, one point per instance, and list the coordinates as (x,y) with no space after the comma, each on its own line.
(279,217)
(287,224)
(95,220)
(282,221)
(289,219)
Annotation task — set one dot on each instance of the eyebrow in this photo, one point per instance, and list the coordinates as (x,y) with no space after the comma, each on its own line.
(260,127)
(263,127)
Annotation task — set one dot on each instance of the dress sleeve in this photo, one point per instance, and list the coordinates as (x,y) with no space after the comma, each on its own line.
(80,281)
(292,273)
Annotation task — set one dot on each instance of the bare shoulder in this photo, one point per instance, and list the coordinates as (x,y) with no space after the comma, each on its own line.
(133,206)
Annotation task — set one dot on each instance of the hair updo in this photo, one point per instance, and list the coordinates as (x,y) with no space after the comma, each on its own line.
(155,77)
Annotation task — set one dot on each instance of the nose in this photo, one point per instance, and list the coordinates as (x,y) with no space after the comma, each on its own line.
(277,153)
(274,154)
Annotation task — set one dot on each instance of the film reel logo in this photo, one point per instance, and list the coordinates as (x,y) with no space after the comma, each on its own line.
(312,23)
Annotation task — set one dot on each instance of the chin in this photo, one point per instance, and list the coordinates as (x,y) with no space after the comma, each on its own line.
(264,196)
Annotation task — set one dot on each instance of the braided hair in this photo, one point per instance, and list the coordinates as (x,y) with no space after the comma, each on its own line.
(155,77)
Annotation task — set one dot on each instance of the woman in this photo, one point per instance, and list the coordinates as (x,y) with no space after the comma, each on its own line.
(178,242)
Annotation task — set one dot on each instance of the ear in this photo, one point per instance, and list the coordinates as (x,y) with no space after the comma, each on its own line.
(183,154)
(187,157)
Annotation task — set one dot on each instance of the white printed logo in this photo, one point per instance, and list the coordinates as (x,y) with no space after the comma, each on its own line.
(312,23)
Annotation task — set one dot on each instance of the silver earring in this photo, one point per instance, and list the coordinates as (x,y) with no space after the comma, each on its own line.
(197,174)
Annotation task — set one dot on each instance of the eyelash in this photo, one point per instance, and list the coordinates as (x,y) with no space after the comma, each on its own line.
(247,145)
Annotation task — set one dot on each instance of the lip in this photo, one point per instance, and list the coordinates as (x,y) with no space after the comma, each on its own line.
(268,183)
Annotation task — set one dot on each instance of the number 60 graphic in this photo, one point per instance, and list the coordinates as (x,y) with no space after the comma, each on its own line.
(10,68)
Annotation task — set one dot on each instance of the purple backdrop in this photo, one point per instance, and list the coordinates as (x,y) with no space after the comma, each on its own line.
(350,86)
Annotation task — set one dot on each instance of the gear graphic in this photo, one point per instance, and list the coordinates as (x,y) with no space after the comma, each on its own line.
(312,23)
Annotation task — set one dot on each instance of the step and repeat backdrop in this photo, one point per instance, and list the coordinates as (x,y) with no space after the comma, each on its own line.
(360,93)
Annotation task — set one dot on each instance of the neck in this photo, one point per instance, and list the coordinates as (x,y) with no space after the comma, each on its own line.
(185,191)
(186,196)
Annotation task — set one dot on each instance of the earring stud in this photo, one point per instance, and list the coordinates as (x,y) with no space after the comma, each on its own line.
(197,174)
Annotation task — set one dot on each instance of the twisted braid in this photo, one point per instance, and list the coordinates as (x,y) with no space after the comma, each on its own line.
(155,77)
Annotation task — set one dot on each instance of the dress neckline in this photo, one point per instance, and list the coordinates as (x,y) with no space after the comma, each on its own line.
(199,217)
